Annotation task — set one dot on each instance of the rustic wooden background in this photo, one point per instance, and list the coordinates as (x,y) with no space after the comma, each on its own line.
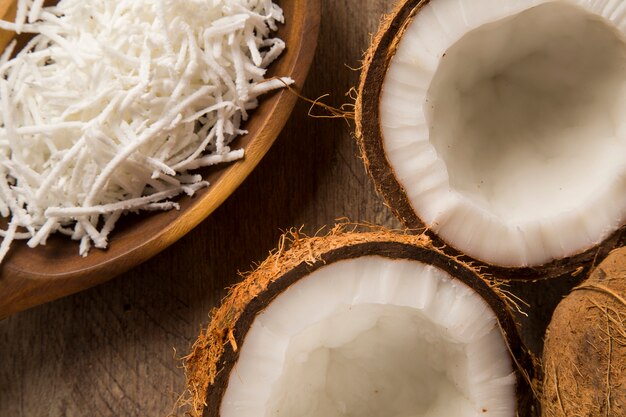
(112,350)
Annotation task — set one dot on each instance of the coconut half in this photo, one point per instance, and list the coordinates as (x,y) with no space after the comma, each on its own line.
(499,125)
(361,324)
(584,354)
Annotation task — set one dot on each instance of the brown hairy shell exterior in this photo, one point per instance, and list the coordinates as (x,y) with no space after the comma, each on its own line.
(585,348)
(216,351)
(369,137)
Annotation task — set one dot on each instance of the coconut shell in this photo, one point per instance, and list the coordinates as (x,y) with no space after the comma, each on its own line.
(369,137)
(216,351)
(585,347)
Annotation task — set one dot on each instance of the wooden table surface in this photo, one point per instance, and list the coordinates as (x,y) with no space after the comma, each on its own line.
(112,350)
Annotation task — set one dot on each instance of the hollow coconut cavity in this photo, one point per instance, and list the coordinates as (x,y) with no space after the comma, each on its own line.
(361,324)
(584,356)
(499,125)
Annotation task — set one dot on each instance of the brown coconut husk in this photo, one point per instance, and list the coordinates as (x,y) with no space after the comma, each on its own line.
(585,347)
(216,350)
(369,136)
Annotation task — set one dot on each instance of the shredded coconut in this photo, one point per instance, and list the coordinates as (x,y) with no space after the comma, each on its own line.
(112,103)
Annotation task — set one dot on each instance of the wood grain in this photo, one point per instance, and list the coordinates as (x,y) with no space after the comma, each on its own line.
(32,276)
(109,351)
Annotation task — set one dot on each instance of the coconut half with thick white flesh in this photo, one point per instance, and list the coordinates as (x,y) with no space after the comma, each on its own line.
(361,324)
(499,125)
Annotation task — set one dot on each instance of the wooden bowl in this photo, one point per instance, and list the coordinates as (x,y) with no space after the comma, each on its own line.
(29,277)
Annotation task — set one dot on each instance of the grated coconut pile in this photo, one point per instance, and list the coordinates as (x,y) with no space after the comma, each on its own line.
(112,103)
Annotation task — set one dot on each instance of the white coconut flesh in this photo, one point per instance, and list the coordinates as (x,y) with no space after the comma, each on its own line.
(373,337)
(505,122)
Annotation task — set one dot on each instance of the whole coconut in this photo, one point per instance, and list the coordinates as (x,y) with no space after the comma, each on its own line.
(585,347)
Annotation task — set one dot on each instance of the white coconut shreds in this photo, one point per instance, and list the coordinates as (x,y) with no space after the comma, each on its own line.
(114,101)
